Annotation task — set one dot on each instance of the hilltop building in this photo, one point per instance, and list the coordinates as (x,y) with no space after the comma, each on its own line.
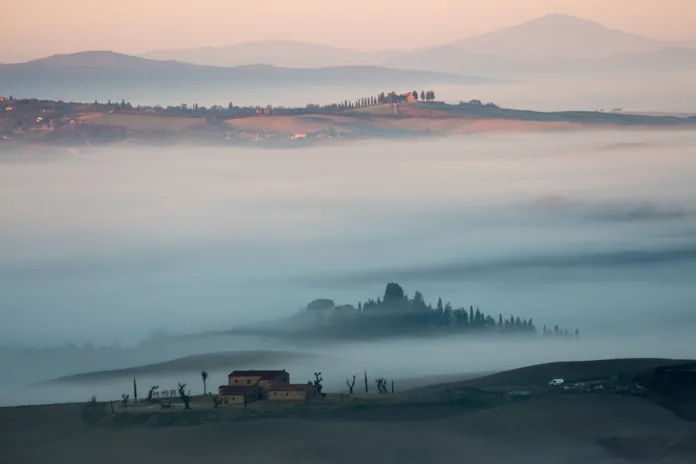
(246,386)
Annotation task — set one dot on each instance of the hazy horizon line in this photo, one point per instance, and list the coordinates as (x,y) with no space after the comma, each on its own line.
(370,51)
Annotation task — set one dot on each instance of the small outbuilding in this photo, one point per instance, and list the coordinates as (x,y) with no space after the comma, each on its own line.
(239,395)
(291,392)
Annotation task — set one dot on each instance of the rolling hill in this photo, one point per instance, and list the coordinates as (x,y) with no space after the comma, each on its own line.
(220,361)
(93,64)
(277,53)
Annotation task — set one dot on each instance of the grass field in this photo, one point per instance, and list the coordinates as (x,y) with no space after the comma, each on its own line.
(143,122)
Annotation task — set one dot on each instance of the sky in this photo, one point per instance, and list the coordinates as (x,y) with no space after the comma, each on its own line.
(40,28)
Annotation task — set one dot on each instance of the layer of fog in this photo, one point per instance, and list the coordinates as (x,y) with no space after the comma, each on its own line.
(594,230)
(410,363)
(112,244)
(672,92)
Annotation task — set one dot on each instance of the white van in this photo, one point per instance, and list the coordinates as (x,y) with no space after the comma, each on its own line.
(556,383)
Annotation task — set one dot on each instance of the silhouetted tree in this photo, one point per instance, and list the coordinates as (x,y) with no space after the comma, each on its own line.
(366,390)
(184,396)
(351,384)
(217,400)
(204,377)
(422,95)
(317,382)
(151,391)
(124,400)
(394,295)
(135,390)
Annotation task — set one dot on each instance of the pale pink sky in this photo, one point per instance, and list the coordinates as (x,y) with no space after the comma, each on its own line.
(35,28)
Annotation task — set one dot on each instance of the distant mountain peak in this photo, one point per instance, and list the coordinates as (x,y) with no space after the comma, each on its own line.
(558,36)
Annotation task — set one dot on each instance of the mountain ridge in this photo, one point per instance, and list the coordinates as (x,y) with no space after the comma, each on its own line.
(103,75)
(558,35)
(551,36)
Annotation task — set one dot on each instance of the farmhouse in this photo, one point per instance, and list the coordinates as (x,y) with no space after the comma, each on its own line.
(291,392)
(263,379)
(272,385)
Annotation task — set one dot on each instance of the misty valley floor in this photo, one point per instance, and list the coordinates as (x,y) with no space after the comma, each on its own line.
(551,429)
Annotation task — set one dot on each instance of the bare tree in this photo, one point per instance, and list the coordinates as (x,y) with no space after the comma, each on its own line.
(381,385)
(124,400)
(184,397)
(204,376)
(351,384)
(318,379)
(217,400)
(366,389)
(151,391)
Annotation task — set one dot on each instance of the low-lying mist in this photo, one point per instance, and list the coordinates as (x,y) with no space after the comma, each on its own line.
(594,230)
(409,362)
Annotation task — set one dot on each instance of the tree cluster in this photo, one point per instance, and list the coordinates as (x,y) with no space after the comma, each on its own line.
(395,312)
(560,333)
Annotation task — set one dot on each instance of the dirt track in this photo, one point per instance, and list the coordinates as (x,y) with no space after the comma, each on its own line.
(553,429)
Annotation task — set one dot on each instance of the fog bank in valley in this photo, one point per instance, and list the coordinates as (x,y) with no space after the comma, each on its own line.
(594,230)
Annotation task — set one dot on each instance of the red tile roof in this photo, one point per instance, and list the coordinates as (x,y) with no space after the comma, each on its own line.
(264,375)
(226,390)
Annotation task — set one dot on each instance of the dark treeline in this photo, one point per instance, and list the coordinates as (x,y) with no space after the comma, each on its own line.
(395,312)
(381,99)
